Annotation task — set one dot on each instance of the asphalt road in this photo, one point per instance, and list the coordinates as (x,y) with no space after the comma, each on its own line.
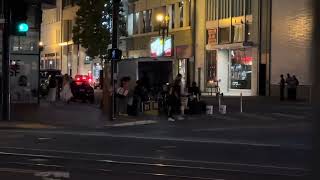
(83,155)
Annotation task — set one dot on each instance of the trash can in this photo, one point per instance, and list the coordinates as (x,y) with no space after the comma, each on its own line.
(223,109)
(209,110)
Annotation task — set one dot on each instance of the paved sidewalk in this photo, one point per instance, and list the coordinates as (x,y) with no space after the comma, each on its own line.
(257,110)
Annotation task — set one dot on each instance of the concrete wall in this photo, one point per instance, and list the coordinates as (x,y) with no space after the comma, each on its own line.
(291,42)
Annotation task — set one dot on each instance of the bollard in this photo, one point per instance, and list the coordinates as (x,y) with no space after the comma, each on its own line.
(219,99)
(241,110)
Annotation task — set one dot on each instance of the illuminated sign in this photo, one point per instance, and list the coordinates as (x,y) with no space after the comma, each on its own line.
(159,47)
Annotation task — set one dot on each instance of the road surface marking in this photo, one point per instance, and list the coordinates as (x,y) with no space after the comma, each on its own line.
(136,157)
(258,116)
(292,116)
(246,127)
(303,171)
(135,123)
(162,138)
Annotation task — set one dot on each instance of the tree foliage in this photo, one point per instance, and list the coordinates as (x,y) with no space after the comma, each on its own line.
(93,26)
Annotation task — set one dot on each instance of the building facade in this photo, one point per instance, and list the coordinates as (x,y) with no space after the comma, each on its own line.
(153,52)
(59,51)
(291,42)
(228,49)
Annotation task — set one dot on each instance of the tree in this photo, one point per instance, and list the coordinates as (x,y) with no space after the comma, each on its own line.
(93,26)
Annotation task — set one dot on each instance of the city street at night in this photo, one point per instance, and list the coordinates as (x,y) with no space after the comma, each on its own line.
(159,89)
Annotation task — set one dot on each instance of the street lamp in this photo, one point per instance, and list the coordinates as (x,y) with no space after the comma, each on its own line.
(41,46)
(163,27)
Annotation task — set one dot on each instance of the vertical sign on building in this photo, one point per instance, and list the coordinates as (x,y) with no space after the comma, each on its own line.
(212,37)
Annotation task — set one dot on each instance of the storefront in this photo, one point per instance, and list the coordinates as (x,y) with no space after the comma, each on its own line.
(234,70)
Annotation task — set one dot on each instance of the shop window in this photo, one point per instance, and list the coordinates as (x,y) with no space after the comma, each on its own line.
(240,69)
(211,68)
(224,35)
(238,33)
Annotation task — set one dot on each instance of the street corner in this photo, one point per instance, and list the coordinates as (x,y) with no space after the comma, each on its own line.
(25,125)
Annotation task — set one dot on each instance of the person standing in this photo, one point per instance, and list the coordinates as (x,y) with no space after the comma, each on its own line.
(122,96)
(295,83)
(195,93)
(66,93)
(52,89)
(174,99)
(282,87)
(290,86)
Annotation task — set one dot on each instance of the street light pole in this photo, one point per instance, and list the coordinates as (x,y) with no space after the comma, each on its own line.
(6,63)
(115,14)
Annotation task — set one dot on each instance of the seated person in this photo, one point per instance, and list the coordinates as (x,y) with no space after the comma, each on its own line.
(194,92)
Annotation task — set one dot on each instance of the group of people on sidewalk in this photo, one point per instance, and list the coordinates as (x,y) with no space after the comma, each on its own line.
(291,83)
(64,94)
(176,98)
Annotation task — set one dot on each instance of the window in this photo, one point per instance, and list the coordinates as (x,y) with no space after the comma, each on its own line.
(181,6)
(144,21)
(240,69)
(211,71)
(130,24)
(172,16)
(149,21)
(224,35)
(238,33)
(248,7)
(67,30)
(66,3)
(136,23)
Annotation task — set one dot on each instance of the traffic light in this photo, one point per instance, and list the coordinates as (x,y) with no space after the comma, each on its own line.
(18,20)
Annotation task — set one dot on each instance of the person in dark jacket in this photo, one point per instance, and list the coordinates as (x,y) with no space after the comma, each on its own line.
(295,83)
(174,99)
(282,87)
(52,89)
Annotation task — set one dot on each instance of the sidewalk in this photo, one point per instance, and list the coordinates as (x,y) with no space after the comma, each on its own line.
(256,110)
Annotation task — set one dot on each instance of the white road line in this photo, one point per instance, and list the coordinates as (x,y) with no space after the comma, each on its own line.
(138,157)
(257,116)
(292,116)
(246,127)
(135,123)
(162,138)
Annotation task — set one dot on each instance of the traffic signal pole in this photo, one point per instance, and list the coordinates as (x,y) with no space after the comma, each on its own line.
(6,63)
(115,19)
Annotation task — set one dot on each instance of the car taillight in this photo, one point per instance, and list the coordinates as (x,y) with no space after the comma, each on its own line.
(78,79)
(90,80)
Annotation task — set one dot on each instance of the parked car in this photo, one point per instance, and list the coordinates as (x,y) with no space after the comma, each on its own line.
(82,90)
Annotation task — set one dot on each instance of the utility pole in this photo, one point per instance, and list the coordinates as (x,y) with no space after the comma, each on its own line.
(6,63)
